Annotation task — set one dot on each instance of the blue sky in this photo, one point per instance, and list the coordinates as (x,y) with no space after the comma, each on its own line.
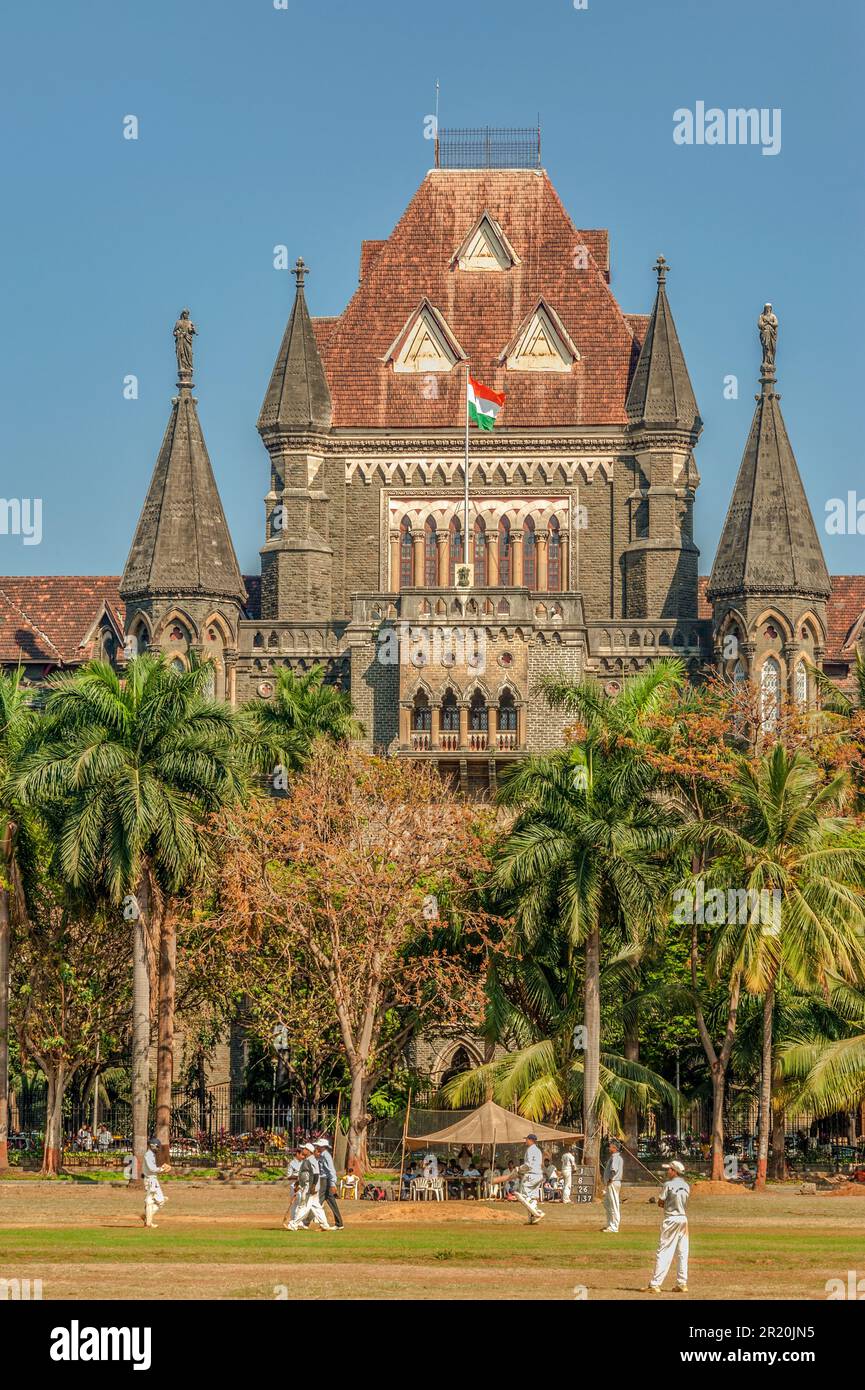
(304,126)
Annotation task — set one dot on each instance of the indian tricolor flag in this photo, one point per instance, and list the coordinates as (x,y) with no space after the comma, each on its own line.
(484,404)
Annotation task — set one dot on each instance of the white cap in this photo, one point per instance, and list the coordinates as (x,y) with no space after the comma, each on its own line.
(321,1143)
(676,1166)
(311,1149)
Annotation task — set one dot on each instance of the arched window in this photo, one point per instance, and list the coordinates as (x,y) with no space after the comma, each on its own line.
(504,551)
(480,553)
(421,714)
(456,547)
(430,553)
(507,713)
(554,556)
(770,695)
(406,575)
(478,713)
(450,715)
(740,675)
(802,685)
(530,555)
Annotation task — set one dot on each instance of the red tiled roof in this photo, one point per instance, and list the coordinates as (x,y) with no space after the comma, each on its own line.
(482,309)
(48,617)
(845,608)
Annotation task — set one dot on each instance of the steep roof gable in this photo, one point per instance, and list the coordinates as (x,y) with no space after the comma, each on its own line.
(555,264)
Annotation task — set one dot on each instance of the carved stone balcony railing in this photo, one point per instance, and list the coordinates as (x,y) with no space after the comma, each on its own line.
(477,741)
(488,605)
(506,742)
(644,637)
(449,742)
(420,742)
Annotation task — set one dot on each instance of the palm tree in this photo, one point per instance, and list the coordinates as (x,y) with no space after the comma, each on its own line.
(16,720)
(585,855)
(535,1008)
(130,771)
(824,1066)
(280,731)
(785,838)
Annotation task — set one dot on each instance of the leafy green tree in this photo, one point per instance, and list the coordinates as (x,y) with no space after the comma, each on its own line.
(585,855)
(280,731)
(128,772)
(784,837)
(16,721)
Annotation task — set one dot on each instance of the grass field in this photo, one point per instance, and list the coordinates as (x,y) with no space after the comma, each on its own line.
(215,1241)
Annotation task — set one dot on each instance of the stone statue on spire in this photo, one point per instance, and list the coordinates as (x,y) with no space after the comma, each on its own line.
(184,331)
(767,326)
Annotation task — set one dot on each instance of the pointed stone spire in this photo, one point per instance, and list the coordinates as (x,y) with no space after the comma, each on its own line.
(661,391)
(182,544)
(298,397)
(769,545)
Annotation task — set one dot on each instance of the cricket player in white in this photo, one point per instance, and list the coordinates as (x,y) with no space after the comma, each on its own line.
(292,1172)
(613,1170)
(531,1179)
(154,1197)
(674,1230)
(569,1163)
(309,1208)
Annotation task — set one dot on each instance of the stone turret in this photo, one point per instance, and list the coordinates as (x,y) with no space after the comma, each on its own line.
(295,419)
(181,584)
(769,583)
(661,559)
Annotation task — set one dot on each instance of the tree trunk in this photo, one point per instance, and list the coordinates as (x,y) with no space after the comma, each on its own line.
(52,1150)
(592,1057)
(719,1087)
(5,931)
(140,1033)
(765,1087)
(165,1049)
(779,1151)
(630,1113)
(357,1159)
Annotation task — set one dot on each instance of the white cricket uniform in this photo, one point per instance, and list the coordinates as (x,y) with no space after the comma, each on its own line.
(613,1170)
(569,1163)
(309,1206)
(152,1185)
(430,1166)
(531,1185)
(674,1233)
(291,1173)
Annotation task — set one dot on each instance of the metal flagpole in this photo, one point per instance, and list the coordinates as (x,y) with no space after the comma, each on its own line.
(466,470)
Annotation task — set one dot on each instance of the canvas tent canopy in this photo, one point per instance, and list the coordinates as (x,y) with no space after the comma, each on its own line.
(490,1124)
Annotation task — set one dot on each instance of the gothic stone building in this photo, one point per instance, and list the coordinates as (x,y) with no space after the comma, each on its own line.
(579,546)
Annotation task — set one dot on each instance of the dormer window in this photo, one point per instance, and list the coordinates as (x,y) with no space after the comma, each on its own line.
(541,344)
(425,343)
(485,248)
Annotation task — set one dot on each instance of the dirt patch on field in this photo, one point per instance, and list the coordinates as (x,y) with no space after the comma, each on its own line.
(848,1189)
(718,1188)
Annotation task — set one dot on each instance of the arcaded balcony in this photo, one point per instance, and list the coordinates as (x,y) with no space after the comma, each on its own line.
(462,727)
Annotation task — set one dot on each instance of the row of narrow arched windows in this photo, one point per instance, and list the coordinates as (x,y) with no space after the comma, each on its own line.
(483,543)
(771,687)
(449,714)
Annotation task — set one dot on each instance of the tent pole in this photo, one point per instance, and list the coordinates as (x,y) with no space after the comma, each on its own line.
(404,1137)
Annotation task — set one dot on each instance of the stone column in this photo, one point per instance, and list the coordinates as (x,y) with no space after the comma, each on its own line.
(564,563)
(404,725)
(393,581)
(521,726)
(541,561)
(464,726)
(492,725)
(492,557)
(435,731)
(443,542)
(418,540)
(516,559)
(791,653)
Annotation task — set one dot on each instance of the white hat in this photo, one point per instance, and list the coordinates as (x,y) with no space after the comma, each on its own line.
(676,1166)
(311,1149)
(321,1143)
